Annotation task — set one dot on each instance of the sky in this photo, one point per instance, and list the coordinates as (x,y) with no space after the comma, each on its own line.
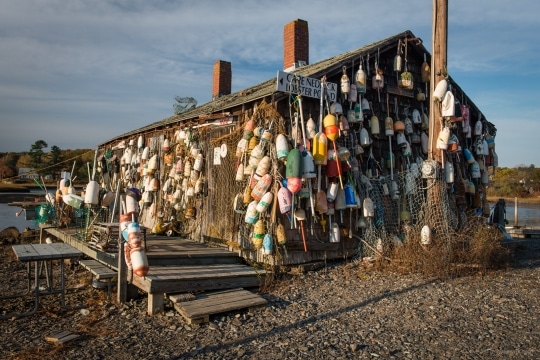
(76,73)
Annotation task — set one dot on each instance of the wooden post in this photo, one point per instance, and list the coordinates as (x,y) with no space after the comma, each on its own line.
(438,72)
(516,212)
(121,291)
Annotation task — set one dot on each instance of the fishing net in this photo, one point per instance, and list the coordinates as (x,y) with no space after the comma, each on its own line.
(403,206)
(232,176)
(45,214)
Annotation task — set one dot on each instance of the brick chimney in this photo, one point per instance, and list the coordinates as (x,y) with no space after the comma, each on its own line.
(222,79)
(295,44)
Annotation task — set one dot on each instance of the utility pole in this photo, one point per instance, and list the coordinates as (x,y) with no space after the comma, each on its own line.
(438,72)
(436,185)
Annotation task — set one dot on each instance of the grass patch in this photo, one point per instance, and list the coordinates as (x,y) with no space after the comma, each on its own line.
(476,249)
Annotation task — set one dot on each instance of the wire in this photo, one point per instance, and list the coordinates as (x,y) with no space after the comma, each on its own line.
(48,167)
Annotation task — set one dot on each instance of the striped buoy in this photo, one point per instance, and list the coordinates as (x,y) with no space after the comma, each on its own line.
(134,235)
(139,261)
(258,234)
(251,213)
(282,147)
(265,202)
(261,187)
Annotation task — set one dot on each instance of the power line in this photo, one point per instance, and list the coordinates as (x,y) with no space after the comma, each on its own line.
(50,166)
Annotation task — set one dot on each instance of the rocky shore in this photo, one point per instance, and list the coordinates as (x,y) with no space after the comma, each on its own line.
(343,311)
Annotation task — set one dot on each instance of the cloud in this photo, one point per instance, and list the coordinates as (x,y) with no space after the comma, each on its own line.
(117,64)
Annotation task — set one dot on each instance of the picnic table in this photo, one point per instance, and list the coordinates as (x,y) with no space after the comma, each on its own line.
(42,256)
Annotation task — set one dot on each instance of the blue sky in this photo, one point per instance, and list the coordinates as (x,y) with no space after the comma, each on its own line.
(77,73)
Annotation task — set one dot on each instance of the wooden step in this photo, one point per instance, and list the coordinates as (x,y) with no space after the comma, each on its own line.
(198,311)
(174,279)
(184,252)
(100,272)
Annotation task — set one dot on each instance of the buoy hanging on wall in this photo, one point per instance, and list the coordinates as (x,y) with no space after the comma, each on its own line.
(293,171)
(320,146)
(265,202)
(282,147)
(268,245)
(360,80)
(251,213)
(284,200)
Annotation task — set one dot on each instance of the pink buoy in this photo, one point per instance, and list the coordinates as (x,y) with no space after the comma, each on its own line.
(284,200)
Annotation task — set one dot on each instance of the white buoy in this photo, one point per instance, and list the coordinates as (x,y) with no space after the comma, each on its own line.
(334,233)
(425,235)
(440,90)
(91,195)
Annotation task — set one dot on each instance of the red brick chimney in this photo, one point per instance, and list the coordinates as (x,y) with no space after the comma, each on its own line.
(295,44)
(222,79)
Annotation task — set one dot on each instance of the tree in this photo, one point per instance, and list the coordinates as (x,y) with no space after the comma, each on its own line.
(8,165)
(23,161)
(36,154)
(54,163)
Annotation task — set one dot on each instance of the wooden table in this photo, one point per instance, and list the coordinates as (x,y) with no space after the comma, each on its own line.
(45,254)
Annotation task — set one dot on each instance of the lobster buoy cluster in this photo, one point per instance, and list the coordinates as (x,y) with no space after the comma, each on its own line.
(309,171)
(134,251)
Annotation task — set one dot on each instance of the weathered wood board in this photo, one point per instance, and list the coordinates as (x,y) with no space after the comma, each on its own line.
(198,311)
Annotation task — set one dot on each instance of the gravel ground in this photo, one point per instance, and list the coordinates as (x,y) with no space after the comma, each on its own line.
(340,312)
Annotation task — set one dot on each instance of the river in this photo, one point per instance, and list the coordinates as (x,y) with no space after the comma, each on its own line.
(528,215)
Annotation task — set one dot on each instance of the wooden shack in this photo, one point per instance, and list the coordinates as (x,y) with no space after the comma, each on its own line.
(221,172)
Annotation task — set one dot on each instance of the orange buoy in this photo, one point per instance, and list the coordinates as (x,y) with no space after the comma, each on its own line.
(139,261)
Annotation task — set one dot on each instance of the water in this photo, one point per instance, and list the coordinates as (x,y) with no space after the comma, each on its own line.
(528,215)
(8,218)
(8,215)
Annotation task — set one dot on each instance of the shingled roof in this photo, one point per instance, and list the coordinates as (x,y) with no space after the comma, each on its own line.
(329,67)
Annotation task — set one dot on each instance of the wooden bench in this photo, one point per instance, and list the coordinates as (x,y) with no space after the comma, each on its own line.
(99,272)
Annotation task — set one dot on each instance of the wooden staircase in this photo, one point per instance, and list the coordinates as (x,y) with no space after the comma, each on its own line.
(182,266)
